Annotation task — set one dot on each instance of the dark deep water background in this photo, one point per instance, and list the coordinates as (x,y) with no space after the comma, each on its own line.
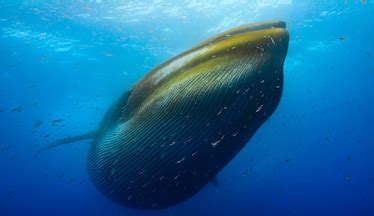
(69,60)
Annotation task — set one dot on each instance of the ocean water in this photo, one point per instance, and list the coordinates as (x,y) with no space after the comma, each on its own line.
(63,62)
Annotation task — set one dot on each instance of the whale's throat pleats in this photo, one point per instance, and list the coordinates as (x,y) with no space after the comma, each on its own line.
(185,132)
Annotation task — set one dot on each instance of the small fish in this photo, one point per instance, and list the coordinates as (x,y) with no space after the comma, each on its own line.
(76,65)
(342,38)
(12,66)
(248,172)
(5,148)
(368,54)
(3,109)
(55,121)
(43,58)
(37,124)
(327,139)
(17,109)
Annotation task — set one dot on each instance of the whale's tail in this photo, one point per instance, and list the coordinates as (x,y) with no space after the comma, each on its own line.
(67,140)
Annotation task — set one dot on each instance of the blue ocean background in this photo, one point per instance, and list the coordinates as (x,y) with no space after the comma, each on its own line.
(63,62)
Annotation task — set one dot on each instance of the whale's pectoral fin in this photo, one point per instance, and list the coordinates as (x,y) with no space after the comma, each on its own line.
(68,140)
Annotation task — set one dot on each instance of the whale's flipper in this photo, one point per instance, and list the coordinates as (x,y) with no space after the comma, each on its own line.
(68,140)
(112,117)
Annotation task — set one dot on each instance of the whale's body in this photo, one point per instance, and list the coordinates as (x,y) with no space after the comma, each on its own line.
(165,139)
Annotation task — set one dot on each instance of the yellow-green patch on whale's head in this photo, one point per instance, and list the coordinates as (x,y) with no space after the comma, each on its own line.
(249,44)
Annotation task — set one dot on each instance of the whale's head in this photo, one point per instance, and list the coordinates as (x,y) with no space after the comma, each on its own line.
(239,58)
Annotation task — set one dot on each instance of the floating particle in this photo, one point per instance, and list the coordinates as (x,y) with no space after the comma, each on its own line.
(108,54)
(181,160)
(259,108)
(219,112)
(214,144)
(163,155)
(272,40)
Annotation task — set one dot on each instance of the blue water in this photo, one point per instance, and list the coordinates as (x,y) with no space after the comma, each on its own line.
(70,60)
